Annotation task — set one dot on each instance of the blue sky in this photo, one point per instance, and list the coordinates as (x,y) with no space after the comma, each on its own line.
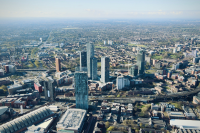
(130,9)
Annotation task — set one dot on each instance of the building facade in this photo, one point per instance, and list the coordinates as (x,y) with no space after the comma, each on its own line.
(83,59)
(94,68)
(58,65)
(81,89)
(49,89)
(141,62)
(105,69)
(90,54)
(134,70)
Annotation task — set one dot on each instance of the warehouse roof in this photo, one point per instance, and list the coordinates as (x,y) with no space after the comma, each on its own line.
(3,109)
(185,124)
(25,120)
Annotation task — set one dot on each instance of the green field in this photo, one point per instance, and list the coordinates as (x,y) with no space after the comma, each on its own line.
(101,47)
(136,45)
(159,57)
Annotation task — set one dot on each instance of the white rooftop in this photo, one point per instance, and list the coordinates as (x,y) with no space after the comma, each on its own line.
(185,124)
(72,119)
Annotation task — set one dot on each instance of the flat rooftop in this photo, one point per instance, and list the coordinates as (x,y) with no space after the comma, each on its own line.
(185,124)
(72,119)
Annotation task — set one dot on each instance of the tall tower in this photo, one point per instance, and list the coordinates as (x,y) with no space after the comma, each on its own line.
(49,89)
(141,62)
(90,54)
(94,68)
(83,59)
(81,89)
(58,66)
(134,70)
(105,69)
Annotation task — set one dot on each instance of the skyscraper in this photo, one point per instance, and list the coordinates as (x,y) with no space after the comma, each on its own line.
(105,69)
(94,68)
(81,89)
(83,59)
(134,70)
(141,62)
(58,65)
(49,89)
(90,54)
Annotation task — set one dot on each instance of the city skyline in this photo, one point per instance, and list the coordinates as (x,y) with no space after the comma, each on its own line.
(105,9)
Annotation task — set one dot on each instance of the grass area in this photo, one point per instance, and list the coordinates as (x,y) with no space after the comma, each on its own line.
(99,64)
(101,47)
(73,28)
(158,57)
(151,71)
(136,45)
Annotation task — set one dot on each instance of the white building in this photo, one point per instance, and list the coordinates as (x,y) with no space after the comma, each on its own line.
(104,42)
(121,82)
(185,124)
(110,42)
(174,50)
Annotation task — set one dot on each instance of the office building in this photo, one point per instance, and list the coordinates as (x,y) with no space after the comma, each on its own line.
(141,62)
(81,89)
(83,59)
(94,68)
(49,89)
(105,69)
(90,54)
(122,82)
(134,70)
(72,121)
(58,65)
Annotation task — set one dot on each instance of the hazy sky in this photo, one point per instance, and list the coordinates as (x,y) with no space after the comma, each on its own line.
(132,9)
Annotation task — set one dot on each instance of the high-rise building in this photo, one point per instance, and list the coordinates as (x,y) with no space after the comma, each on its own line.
(94,68)
(81,89)
(83,59)
(49,89)
(105,69)
(134,70)
(141,62)
(90,54)
(58,65)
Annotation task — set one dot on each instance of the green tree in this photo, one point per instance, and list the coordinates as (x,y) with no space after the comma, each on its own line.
(4,88)
(107,124)
(37,63)
(111,128)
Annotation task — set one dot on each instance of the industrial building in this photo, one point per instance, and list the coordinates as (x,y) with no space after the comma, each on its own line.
(81,89)
(72,121)
(13,88)
(20,124)
(185,124)
(105,69)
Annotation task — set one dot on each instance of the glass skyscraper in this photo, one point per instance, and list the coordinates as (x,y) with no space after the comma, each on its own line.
(90,54)
(141,62)
(105,69)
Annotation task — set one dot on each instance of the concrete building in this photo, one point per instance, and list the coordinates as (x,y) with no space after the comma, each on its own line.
(90,54)
(174,50)
(94,68)
(186,124)
(122,82)
(141,62)
(13,88)
(105,69)
(83,59)
(1,72)
(104,42)
(58,65)
(134,70)
(49,89)
(21,123)
(10,68)
(81,89)
(72,121)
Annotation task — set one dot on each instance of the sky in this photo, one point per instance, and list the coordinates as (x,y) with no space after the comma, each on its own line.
(101,9)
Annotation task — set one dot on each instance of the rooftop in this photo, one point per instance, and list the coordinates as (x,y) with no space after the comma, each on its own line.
(72,119)
(185,124)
